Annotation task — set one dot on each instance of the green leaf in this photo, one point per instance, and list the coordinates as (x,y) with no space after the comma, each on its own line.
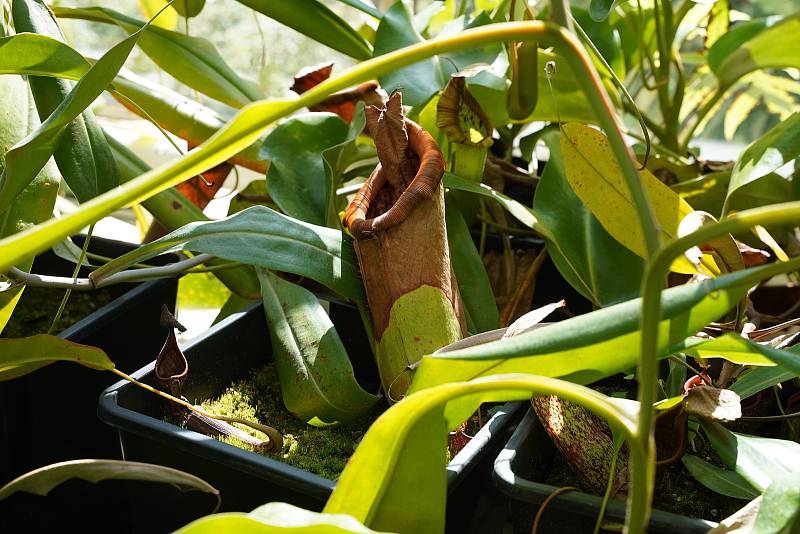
(739,350)
(365,6)
(770,152)
(708,193)
(523,214)
(35,203)
(24,355)
(775,47)
(276,518)
(585,348)
(779,512)
(189,8)
(419,81)
(722,481)
(264,238)
(592,261)
(83,156)
(193,61)
(403,453)
(473,282)
(182,116)
(566,102)
(314,20)
(43,480)
(760,378)
(760,461)
(299,180)
(34,54)
(28,157)
(600,9)
(316,376)
(460,60)
(732,40)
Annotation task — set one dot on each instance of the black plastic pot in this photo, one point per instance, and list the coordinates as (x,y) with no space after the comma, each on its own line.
(526,459)
(49,415)
(228,352)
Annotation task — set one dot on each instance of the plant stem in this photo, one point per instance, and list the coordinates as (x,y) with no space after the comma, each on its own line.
(137,275)
(656,271)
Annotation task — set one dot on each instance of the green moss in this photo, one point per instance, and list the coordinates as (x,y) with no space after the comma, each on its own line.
(323,451)
(38,305)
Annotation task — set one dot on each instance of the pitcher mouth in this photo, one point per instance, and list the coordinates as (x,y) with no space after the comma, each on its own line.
(422,187)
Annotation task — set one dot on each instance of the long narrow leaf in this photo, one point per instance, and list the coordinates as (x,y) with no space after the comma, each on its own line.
(191,60)
(264,238)
(26,158)
(24,355)
(316,376)
(314,20)
(585,348)
(82,154)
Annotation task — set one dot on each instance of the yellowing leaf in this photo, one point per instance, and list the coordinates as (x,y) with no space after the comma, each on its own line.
(594,175)
(167,20)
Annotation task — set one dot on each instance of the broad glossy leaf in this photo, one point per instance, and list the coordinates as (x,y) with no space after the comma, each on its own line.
(419,81)
(722,481)
(317,381)
(594,175)
(300,179)
(473,282)
(276,518)
(780,507)
(760,378)
(43,480)
(191,60)
(771,151)
(775,47)
(24,355)
(82,155)
(35,203)
(760,461)
(592,261)
(34,54)
(314,20)
(585,348)
(402,454)
(28,157)
(264,238)
(296,178)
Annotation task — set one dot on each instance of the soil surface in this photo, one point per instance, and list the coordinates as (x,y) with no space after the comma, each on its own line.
(38,306)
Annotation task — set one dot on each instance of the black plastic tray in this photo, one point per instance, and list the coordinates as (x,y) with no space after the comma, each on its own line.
(49,415)
(228,352)
(527,457)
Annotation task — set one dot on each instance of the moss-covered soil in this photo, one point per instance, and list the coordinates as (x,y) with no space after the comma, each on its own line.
(38,305)
(323,451)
